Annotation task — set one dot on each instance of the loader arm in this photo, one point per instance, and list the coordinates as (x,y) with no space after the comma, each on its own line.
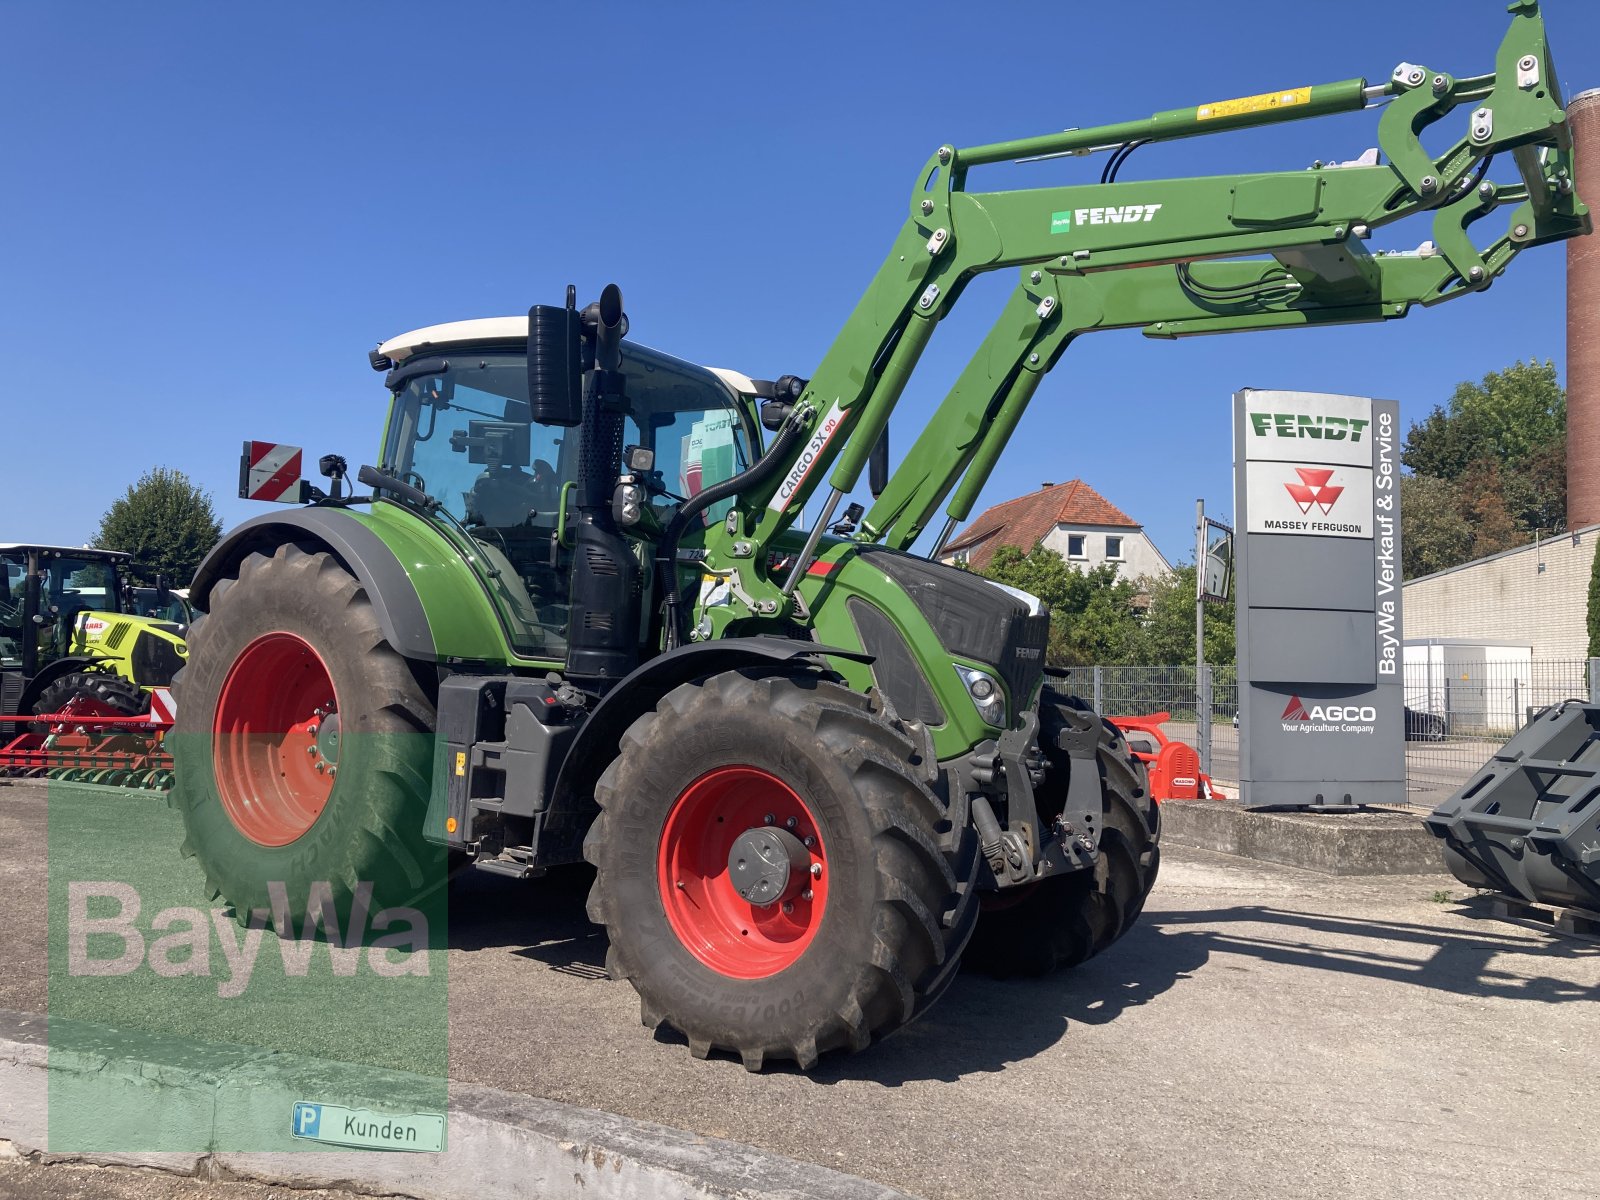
(953,234)
(1048,311)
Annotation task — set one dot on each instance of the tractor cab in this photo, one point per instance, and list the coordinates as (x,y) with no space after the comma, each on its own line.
(462,429)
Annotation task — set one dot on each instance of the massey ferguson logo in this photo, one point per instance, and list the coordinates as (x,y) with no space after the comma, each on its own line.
(1314,488)
(1299,717)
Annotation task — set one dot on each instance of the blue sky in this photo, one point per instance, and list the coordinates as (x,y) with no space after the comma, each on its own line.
(213,211)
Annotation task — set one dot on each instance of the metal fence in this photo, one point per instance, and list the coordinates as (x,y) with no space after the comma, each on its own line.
(1461,705)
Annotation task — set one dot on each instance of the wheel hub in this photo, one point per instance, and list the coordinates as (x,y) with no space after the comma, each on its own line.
(768,864)
(742,872)
(276,739)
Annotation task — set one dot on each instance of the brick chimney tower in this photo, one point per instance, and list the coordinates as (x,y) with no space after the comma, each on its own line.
(1583,325)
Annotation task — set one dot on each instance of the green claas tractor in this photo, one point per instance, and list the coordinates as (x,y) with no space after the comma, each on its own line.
(72,626)
(579,614)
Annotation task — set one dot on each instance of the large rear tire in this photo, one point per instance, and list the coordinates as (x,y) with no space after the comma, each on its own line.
(303,746)
(1064,921)
(869,928)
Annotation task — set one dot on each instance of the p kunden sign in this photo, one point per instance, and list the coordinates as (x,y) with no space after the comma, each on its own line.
(1316,485)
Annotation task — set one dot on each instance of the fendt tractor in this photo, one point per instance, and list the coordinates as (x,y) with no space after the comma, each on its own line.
(578,614)
(73,627)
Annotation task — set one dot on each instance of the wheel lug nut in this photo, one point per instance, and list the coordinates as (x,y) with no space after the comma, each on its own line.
(320,768)
(788,907)
(769,818)
(790,823)
(810,841)
(312,730)
(806,895)
(816,870)
(312,749)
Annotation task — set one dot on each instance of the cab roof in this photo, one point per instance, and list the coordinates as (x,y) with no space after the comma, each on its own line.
(76,551)
(485,331)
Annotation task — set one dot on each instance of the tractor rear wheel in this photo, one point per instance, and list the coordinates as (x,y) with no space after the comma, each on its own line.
(99,695)
(1063,921)
(303,746)
(775,875)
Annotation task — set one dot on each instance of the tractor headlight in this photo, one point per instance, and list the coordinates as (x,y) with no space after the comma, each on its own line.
(986,695)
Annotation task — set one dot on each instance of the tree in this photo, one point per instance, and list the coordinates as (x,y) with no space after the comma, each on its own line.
(1434,534)
(1167,633)
(1594,608)
(1489,469)
(165,522)
(1510,417)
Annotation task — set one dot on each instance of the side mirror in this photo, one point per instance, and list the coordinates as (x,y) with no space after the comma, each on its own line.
(1216,580)
(878,466)
(555,364)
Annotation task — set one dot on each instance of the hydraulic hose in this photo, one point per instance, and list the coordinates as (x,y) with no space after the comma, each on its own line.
(759,472)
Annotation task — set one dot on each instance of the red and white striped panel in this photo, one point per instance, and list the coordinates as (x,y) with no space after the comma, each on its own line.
(274,472)
(163,709)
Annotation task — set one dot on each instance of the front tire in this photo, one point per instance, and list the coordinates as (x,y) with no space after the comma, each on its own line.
(303,746)
(868,930)
(1067,920)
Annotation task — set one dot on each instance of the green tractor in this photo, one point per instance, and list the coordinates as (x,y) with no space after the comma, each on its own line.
(581,612)
(73,626)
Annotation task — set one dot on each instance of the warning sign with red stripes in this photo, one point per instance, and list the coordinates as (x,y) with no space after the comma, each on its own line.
(271,471)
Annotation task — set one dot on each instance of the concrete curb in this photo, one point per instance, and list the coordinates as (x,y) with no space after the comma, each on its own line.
(1368,843)
(500,1144)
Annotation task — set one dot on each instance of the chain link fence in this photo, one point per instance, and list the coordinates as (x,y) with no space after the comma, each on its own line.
(1461,705)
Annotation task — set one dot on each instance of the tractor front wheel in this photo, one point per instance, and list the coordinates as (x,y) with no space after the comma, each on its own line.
(774,873)
(303,745)
(1062,921)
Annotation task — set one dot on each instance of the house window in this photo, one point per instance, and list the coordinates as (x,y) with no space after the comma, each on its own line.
(1114,547)
(1075,548)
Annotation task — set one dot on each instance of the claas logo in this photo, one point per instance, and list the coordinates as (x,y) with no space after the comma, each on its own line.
(1299,425)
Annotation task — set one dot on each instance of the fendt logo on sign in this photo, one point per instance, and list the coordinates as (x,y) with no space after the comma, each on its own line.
(1314,488)
(1298,717)
(1318,427)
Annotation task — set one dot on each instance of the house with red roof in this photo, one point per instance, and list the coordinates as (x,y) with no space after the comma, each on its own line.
(1070,518)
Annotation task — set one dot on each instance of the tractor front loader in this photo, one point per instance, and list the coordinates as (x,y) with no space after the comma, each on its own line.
(576,616)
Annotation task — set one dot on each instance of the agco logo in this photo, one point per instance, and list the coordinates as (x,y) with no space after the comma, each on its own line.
(1314,488)
(1297,710)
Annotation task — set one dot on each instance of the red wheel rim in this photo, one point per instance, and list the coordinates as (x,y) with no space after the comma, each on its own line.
(717,925)
(269,741)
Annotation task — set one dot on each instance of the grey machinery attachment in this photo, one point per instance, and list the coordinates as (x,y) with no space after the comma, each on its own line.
(1528,823)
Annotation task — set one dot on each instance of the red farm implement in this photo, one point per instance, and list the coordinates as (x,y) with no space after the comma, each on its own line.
(1174,767)
(87,744)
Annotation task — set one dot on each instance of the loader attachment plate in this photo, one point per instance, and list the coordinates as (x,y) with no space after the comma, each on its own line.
(1528,823)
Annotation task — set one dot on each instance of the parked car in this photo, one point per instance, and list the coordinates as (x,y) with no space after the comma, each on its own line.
(1424,726)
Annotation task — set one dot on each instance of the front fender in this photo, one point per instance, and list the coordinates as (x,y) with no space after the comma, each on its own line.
(640,690)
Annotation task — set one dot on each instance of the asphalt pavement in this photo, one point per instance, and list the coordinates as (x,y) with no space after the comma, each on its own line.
(1262,1032)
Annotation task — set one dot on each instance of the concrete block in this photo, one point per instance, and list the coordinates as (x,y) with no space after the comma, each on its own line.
(1376,842)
